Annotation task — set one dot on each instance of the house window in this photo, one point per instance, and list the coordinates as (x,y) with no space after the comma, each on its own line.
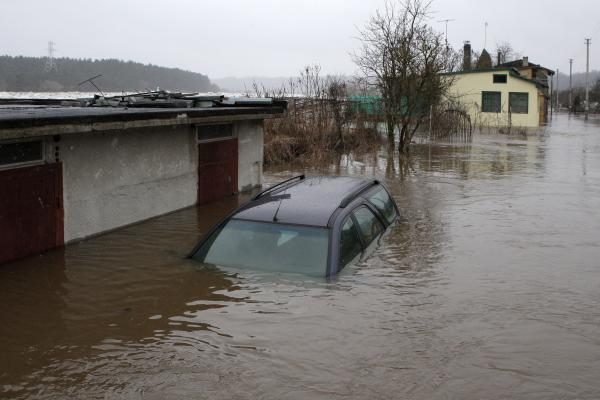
(518,102)
(500,78)
(21,153)
(490,102)
(214,132)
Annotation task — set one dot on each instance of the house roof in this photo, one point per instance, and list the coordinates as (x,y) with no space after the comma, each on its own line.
(519,64)
(513,72)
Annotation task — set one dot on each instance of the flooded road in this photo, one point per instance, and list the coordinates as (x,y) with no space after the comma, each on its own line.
(489,287)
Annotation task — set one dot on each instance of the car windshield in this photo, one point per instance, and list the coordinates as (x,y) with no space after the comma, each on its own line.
(267,247)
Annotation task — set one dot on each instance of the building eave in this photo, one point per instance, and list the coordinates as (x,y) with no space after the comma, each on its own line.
(483,70)
(15,124)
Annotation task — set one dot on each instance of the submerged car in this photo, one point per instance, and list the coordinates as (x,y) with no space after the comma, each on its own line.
(314,226)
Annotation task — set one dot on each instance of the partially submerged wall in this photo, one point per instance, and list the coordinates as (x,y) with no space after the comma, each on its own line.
(117,178)
(121,166)
(250,140)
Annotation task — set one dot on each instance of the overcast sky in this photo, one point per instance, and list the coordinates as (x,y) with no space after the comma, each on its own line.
(277,37)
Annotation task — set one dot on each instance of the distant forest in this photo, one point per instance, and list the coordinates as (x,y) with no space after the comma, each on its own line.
(19,74)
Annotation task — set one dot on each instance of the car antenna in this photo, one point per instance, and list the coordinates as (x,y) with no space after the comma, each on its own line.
(278,206)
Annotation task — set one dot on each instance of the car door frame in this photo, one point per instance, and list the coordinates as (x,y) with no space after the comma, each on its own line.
(336,224)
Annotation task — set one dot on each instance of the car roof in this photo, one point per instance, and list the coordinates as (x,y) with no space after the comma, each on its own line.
(310,201)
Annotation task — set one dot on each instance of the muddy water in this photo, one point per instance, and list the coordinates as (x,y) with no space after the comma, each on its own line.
(489,287)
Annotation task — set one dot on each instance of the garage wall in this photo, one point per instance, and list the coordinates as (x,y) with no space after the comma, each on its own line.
(115,179)
(250,139)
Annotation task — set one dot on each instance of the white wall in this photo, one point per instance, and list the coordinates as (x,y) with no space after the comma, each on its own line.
(250,149)
(118,178)
(122,177)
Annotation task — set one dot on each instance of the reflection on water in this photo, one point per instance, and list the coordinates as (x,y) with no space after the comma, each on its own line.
(487,287)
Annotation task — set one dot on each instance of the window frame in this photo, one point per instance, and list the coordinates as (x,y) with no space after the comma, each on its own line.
(349,217)
(336,225)
(379,212)
(510,106)
(503,76)
(222,131)
(358,227)
(29,163)
(483,103)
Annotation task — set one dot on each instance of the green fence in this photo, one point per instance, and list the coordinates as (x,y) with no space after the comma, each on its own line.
(373,106)
(369,105)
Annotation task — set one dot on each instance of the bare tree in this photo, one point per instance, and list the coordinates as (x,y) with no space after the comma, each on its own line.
(506,52)
(337,92)
(404,57)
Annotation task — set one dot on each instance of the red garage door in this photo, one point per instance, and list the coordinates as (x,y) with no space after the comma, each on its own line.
(31,210)
(217,170)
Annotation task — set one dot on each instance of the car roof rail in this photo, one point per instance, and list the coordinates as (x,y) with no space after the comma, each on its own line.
(362,188)
(268,190)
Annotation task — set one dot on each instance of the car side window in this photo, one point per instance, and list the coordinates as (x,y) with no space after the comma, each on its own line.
(350,245)
(369,226)
(383,202)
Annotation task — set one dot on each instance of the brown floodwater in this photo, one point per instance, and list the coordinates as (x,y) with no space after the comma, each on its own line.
(488,287)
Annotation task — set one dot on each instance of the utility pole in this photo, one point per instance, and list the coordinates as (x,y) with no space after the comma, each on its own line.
(570,85)
(50,63)
(551,98)
(557,91)
(587,75)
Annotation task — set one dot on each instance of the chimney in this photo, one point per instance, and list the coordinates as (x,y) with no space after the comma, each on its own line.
(499,59)
(467,56)
(526,61)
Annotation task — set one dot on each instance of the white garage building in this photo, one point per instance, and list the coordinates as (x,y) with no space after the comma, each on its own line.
(67,173)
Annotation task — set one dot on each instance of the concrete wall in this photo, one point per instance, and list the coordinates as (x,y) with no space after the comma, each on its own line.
(250,163)
(117,178)
(467,90)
